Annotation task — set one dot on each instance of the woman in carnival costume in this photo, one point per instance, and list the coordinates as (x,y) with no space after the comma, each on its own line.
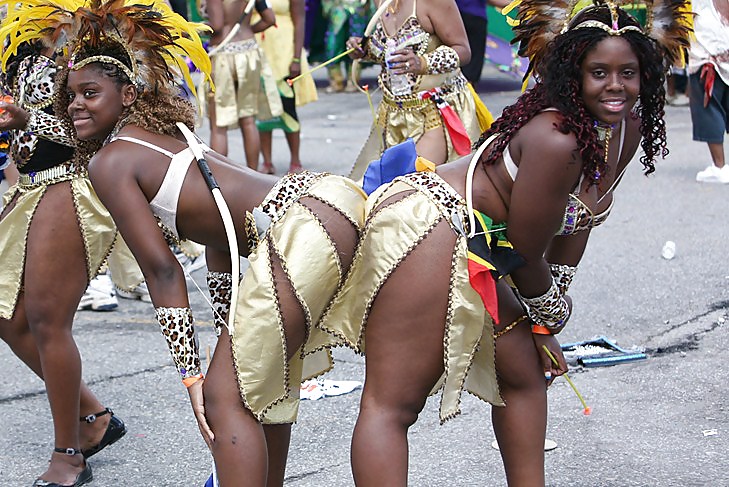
(436,107)
(299,232)
(51,212)
(521,206)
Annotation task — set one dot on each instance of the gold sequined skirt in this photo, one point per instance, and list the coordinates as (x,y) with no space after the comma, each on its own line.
(469,360)
(95,223)
(411,119)
(269,384)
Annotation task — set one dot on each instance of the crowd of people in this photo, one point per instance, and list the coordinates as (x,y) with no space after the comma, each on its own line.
(492,224)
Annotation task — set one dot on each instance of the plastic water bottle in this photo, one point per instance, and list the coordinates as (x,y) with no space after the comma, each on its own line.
(398,82)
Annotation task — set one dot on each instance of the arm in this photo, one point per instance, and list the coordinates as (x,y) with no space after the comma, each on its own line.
(548,169)
(298,13)
(36,121)
(117,186)
(216,18)
(268,18)
(448,26)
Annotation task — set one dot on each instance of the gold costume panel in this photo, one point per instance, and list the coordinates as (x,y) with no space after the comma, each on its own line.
(390,234)
(244,84)
(269,385)
(97,228)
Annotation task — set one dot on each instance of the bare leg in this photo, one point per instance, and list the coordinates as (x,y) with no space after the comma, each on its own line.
(520,426)
(242,453)
(432,145)
(218,135)
(251,141)
(16,333)
(717,154)
(266,151)
(50,310)
(404,359)
(294,141)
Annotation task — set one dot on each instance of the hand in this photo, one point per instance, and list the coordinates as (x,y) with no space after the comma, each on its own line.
(12,117)
(405,61)
(551,371)
(294,69)
(356,44)
(198,407)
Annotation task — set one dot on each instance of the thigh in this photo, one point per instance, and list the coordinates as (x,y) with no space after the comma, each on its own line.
(55,274)
(405,328)
(432,145)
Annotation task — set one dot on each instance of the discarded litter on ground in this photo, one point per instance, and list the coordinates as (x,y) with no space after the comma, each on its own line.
(600,352)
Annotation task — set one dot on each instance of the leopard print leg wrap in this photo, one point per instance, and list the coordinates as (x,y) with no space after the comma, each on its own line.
(220,288)
(179,331)
(563,275)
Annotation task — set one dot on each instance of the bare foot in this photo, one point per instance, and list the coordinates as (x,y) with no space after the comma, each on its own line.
(295,167)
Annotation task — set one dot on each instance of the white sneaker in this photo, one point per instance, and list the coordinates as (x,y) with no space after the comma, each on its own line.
(680,100)
(99,295)
(189,264)
(713,174)
(140,293)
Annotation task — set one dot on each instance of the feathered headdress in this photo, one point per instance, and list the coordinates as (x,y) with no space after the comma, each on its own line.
(156,40)
(539,22)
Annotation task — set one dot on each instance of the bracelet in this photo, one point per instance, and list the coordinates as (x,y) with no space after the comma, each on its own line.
(550,309)
(188,381)
(540,330)
(179,332)
(220,287)
(563,275)
(296,60)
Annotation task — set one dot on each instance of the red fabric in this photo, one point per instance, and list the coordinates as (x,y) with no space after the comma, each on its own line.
(483,282)
(456,130)
(708,74)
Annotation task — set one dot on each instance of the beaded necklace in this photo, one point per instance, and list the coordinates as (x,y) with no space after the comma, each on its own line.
(604,134)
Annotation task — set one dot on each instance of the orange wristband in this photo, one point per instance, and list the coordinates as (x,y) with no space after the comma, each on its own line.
(188,381)
(540,330)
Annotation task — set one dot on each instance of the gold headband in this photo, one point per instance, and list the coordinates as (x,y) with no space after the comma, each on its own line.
(75,66)
(599,25)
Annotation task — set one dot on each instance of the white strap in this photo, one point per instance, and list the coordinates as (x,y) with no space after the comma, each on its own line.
(469,184)
(146,144)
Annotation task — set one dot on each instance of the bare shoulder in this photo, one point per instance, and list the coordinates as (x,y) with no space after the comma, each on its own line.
(540,139)
(111,165)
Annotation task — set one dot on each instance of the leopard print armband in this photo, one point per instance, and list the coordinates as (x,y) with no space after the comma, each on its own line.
(48,127)
(178,330)
(550,309)
(443,59)
(563,275)
(220,288)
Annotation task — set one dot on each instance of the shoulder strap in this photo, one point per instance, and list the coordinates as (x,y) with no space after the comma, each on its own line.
(146,144)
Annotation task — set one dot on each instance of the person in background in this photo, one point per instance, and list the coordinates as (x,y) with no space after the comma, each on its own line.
(243,80)
(709,84)
(284,49)
(473,14)
(345,18)
(420,46)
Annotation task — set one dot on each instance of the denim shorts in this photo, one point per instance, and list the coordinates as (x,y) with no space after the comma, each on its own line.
(711,122)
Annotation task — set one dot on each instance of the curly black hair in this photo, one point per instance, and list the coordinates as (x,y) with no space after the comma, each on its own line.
(559,85)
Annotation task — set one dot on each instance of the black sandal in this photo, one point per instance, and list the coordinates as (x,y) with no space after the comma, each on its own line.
(114,432)
(84,477)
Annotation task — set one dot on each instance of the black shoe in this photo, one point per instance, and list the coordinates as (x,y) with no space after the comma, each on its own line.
(114,431)
(84,477)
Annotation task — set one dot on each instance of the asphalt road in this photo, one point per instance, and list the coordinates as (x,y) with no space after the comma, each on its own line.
(662,421)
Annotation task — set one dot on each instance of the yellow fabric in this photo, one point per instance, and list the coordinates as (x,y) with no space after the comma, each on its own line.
(244,85)
(97,228)
(269,386)
(389,236)
(278,46)
(394,125)
(485,119)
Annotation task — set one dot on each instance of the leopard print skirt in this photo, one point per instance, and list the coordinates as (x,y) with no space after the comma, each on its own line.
(469,358)
(269,384)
